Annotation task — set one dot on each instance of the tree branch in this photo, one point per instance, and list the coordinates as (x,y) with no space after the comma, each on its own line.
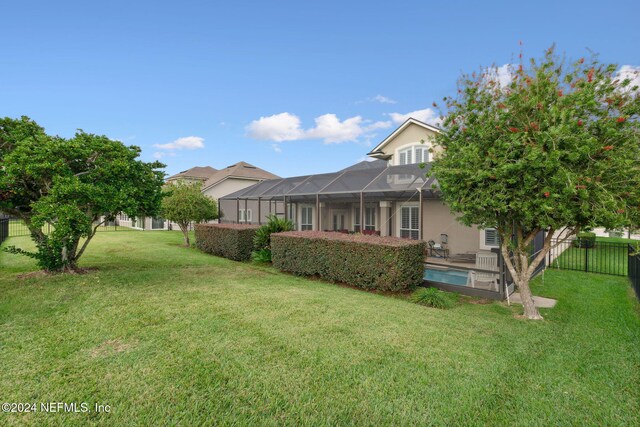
(89,237)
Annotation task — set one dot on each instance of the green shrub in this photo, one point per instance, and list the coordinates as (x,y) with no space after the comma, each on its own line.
(369,262)
(585,240)
(262,239)
(263,255)
(432,297)
(232,241)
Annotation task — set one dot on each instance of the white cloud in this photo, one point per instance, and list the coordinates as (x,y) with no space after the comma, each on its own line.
(184,143)
(382,100)
(279,127)
(158,155)
(276,148)
(629,72)
(503,74)
(330,129)
(427,115)
(378,125)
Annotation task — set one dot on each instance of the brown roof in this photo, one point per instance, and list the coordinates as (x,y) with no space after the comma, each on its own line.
(239,170)
(198,172)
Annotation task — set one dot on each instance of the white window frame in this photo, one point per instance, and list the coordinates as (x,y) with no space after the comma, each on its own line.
(306,226)
(399,220)
(483,239)
(245,217)
(369,225)
(411,150)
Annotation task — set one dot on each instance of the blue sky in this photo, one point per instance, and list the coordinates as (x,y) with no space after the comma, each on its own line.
(292,87)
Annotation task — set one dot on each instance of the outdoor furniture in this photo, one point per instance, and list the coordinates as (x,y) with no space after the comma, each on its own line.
(487,261)
(436,250)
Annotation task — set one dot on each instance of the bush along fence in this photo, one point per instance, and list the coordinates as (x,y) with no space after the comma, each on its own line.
(232,241)
(368,262)
(634,269)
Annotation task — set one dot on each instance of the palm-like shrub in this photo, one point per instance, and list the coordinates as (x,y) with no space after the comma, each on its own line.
(262,239)
(432,297)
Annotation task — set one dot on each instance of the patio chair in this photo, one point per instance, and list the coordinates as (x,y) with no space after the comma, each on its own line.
(485,261)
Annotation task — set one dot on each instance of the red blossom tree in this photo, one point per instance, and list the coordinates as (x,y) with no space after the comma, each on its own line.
(578,167)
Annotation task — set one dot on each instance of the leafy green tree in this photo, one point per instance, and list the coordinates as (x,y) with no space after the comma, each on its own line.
(184,203)
(555,149)
(74,185)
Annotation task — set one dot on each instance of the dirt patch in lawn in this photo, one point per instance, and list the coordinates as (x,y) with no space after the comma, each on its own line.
(44,273)
(110,347)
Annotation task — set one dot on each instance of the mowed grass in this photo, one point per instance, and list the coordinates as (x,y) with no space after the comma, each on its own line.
(166,335)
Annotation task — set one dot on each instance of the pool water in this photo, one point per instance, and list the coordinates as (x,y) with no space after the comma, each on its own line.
(451,277)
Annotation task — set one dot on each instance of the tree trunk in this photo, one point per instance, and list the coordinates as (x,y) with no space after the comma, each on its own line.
(521,276)
(530,309)
(185,232)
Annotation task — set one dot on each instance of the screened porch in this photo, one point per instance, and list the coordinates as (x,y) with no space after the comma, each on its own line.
(386,201)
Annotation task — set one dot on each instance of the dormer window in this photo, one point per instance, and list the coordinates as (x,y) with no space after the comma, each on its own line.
(414,154)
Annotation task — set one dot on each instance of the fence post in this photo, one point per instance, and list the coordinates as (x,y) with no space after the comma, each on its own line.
(586,259)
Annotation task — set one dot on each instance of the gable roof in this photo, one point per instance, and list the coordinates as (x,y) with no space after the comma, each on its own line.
(366,164)
(198,172)
(241,170)
(377,151)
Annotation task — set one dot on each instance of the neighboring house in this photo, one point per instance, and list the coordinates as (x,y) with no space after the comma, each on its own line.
(234,178)
(215,184)
(390,196)
(195,174)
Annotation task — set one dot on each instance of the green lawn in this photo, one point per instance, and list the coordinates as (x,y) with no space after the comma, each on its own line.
(167,335)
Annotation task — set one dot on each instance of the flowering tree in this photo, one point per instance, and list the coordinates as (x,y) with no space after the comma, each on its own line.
(555,148)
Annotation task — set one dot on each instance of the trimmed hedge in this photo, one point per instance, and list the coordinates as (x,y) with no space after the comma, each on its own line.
(232,241)
(369,262)
(585,240)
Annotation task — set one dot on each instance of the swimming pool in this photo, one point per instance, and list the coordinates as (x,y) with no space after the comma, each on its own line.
(446,275)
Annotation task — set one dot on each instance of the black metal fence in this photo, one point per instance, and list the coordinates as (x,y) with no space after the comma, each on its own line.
(595,257)
(15,228)
(634,269)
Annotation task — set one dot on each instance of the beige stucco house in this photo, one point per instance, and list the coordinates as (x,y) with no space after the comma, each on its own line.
(391,196)
(215,184)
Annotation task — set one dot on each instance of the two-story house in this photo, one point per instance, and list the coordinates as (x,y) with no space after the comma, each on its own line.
(390,196)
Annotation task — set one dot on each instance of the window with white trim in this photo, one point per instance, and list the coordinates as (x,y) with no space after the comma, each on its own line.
(306,218)
(245,215)
(369,218)
(356,220)
(491,237)
(410,222)
(415,154)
